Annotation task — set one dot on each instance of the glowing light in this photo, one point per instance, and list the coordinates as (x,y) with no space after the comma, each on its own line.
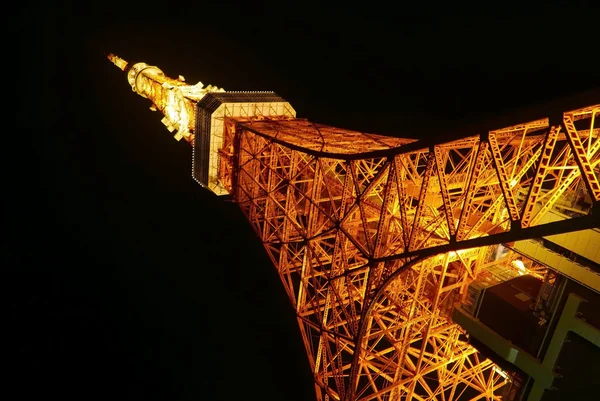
(501,372)
(512,183)
(118,61)
(520,266)
(173,97)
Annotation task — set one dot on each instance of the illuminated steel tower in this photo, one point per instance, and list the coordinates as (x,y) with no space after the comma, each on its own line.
(384,244)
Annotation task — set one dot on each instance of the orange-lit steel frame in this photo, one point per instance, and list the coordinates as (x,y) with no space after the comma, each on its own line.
(376,238)
(349,228)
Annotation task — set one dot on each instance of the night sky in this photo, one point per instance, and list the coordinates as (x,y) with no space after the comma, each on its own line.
(127,280)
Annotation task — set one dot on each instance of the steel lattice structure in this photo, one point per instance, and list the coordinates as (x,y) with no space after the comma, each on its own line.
(376,238)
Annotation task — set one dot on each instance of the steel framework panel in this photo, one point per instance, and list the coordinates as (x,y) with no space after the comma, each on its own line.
(376,238)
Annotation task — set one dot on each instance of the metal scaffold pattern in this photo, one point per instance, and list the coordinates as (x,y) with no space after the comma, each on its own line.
(376,239)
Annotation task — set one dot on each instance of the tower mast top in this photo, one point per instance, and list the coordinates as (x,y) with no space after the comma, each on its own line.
(172,97)
(118,61)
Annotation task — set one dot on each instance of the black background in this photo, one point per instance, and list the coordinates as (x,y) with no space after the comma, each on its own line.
(129,281)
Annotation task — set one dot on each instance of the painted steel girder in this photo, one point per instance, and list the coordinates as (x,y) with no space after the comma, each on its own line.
(582,158)
(485,196)
(367,231)
(342,227)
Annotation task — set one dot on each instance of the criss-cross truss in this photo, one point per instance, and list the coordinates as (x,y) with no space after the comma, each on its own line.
(376,238)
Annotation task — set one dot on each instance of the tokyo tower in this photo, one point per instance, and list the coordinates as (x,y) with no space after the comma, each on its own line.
(433,269)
